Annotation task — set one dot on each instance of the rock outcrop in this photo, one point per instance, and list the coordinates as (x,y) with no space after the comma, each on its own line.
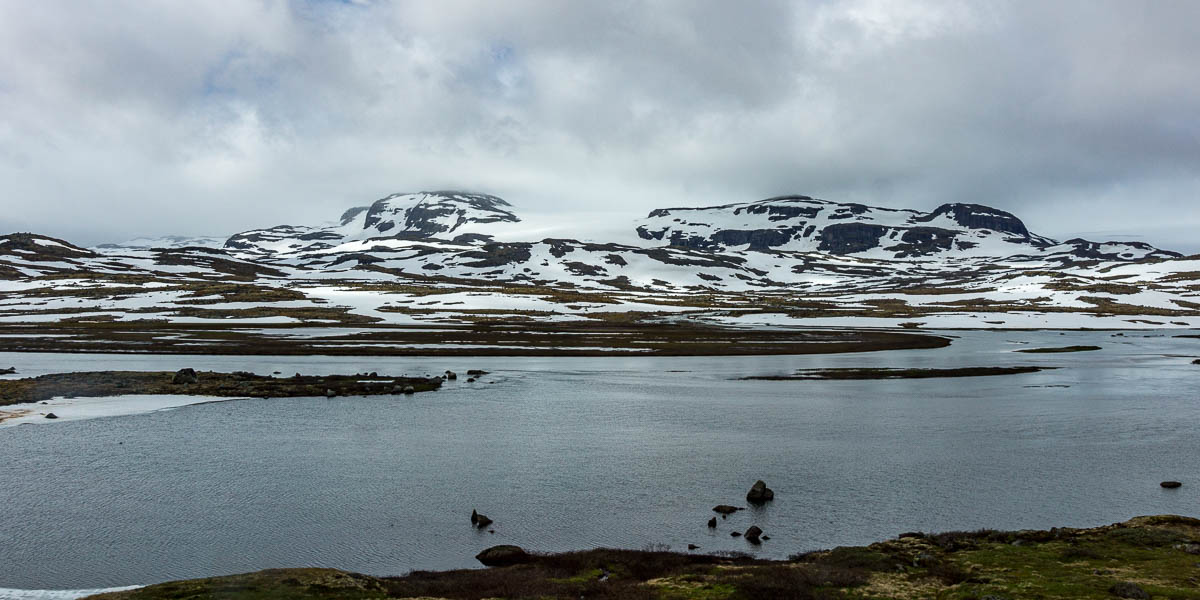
(760,493)
(503,556)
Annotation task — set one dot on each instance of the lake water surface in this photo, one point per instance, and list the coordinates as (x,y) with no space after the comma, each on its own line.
(570,453)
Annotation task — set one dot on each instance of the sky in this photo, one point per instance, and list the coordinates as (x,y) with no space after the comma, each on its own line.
(147,117)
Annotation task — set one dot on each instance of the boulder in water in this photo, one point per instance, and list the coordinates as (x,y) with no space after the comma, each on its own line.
(753,534)
(479,520)
(760,493)
(1170,485)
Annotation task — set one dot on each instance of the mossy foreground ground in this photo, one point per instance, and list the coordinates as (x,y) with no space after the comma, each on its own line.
(1147,557)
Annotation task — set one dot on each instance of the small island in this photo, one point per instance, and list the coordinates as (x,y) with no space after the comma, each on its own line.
(205,383)
(1059,350)
(882,373)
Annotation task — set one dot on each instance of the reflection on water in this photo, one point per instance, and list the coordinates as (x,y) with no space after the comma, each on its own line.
(566,453)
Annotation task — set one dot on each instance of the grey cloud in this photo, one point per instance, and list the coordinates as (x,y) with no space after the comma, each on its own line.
(218,116)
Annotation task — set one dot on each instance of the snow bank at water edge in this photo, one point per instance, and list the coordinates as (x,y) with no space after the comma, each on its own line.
(77,409)
(11,594)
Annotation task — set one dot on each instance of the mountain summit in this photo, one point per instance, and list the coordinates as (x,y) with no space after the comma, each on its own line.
(408,258)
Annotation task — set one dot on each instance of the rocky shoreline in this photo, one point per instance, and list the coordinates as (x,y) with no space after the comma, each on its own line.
(206,383)
(1145,557)
(491,339)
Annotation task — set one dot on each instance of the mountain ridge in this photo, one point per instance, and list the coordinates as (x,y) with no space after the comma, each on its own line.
(786,259)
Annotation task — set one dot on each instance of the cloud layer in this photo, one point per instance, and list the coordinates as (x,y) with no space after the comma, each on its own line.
(151,117)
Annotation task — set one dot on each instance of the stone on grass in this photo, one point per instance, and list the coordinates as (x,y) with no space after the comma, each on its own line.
(502,556)
(1128,589)
(184,376)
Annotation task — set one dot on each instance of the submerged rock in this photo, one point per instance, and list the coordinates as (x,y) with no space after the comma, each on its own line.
(760,493)
(184,376)
(502,556)
(753,534)
(725,509)
(476,372)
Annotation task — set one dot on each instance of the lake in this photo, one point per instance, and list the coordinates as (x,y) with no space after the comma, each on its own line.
(571,453)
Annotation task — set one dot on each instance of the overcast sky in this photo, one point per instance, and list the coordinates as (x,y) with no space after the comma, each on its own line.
(120,119)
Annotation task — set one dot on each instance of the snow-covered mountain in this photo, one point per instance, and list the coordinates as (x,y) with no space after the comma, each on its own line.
(804,224)
(452,215)
(797,258)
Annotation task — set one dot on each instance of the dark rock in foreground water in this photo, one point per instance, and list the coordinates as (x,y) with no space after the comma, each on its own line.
(1170,485)
(753,534)
(760,493)
(502,556)
(51,416)
(725,509)
(11,370)
(712,523)
(479,520)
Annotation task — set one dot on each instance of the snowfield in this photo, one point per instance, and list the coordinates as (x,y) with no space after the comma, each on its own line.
(456,257)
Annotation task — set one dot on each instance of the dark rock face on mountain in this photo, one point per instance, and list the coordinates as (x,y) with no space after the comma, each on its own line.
(978,216)
(848,238)
(434,213)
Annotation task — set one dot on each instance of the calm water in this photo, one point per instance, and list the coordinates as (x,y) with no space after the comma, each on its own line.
(570,453)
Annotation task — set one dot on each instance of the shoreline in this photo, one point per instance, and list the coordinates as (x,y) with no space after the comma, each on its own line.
(83,409)
(1139,558)
(589,340)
